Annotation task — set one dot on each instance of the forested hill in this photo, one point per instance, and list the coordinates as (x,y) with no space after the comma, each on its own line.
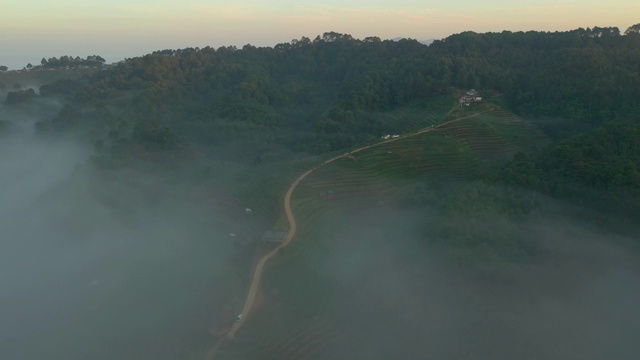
(606,158)
(332,92)
(589,75)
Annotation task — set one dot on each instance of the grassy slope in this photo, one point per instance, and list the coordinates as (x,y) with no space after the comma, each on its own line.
(306,310)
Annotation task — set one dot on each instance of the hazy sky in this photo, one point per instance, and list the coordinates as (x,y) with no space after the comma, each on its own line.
(32,29)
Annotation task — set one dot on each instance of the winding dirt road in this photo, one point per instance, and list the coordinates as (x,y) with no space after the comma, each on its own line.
(257,273)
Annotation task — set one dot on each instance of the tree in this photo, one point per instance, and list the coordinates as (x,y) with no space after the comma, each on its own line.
(95,60)
(29,66)
(633,29)
(53,62)
(3,68)
(20,96)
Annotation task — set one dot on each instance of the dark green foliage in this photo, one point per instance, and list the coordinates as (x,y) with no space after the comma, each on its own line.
(633,30)
(296,95)
(333,92)
(154,138)
(590,75)
(20,96)
(598,171)
(607,159)
(71,62)
(64,87)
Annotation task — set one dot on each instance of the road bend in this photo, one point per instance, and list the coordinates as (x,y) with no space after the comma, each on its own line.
(257,273)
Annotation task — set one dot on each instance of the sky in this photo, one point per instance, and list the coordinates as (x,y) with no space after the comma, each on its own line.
(116,29)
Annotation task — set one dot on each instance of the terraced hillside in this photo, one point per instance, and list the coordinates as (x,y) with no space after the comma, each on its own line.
(325,296)
(417,116)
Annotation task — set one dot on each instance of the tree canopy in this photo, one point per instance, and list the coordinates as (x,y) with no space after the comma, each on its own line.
(332,92)
(70,61)
(633,30)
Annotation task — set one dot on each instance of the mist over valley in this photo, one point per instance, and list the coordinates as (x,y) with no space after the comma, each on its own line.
(327,198)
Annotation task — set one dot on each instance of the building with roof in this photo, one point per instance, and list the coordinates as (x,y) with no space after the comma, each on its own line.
(470,97)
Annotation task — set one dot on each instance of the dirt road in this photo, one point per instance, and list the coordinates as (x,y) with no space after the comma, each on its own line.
(257,273)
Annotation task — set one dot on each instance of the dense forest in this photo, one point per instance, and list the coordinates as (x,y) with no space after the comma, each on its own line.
(326,94)
(261,105)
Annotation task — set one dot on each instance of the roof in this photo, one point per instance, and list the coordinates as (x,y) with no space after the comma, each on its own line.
(277,236)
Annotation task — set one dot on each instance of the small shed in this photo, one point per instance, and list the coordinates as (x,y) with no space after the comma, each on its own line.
(274,236)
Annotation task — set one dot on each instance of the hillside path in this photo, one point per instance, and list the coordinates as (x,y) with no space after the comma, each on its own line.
(257,273)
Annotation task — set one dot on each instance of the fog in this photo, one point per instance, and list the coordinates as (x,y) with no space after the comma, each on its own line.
(97,265)
(402,298)
(377,282)
(131,265)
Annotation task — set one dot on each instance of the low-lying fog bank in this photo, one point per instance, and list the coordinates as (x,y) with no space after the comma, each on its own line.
(93,268)
(377,283)
(575,299)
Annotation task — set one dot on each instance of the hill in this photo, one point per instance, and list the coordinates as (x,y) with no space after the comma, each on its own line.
(409,238)
(455,222)
(335,91)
